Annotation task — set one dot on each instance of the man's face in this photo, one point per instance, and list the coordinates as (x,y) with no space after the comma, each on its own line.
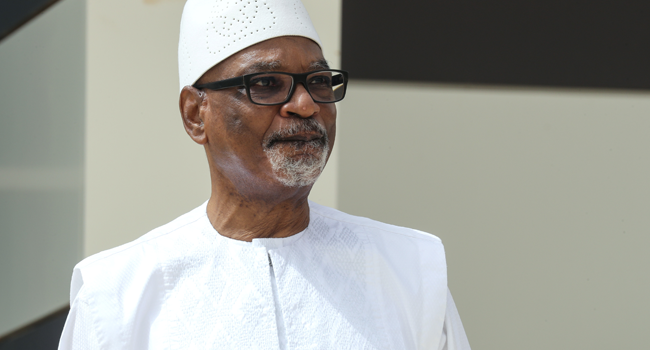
(257,147)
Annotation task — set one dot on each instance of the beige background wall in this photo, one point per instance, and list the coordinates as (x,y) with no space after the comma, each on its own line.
(326,16)
(141,168)
(41,163)
(541,198)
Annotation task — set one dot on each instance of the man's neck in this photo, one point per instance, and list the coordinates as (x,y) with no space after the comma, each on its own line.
(244,219)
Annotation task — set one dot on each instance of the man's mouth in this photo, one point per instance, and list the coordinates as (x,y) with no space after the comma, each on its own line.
(299,142)
(307,133)
(305,137)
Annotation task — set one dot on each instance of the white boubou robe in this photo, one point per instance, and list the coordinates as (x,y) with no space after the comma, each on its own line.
(345,282)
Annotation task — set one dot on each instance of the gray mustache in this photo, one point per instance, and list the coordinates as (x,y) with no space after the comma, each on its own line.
(302,126)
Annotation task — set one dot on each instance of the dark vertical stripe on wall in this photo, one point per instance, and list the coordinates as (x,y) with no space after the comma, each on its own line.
(15,13)
(568,43)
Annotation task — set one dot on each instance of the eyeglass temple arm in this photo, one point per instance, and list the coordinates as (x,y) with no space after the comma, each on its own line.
(338,79)
(222,84)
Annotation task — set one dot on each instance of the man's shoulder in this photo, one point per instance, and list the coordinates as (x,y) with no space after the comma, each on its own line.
(134,266)
(141,245)
(374,226)
(408,260)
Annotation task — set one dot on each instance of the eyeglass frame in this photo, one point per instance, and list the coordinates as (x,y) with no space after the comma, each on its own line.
(297,78)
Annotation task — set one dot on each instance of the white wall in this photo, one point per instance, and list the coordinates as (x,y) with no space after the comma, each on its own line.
(540,196)
(41,162)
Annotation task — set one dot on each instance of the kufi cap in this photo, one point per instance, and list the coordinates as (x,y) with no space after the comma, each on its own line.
(213,30)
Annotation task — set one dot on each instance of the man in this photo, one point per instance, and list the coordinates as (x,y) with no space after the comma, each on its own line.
(258,266)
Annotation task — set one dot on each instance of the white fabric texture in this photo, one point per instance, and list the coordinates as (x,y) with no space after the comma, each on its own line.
(213,30)
(345,282)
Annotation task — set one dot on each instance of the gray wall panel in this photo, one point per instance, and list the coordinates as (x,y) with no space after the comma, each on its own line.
(42,108)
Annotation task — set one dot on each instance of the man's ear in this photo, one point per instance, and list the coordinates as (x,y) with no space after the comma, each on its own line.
(190,104)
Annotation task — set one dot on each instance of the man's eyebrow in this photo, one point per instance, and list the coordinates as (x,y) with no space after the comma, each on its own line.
(262,67)
(320,64)
(270,66)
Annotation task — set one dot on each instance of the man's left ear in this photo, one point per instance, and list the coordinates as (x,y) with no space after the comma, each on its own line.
(190,104)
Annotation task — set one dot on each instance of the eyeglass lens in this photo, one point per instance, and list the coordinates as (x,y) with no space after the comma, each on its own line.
(324,86)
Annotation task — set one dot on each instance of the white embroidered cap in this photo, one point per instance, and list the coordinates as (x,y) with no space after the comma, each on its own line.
(213,30)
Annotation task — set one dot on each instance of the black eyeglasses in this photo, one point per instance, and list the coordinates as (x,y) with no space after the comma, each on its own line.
(275,88)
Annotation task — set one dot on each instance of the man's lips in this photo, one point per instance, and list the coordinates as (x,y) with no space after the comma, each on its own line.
(305,137)
(300,133)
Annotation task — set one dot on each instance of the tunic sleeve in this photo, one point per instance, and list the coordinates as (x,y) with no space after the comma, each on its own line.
(453,334)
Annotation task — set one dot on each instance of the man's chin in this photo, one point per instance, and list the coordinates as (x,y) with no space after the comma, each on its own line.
(297,180)
(298,167)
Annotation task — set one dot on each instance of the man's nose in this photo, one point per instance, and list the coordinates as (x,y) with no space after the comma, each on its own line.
(301,104)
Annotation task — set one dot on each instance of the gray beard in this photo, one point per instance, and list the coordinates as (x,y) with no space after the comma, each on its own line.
(304,170)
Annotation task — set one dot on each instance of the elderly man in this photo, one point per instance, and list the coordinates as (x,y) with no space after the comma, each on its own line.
(258,266)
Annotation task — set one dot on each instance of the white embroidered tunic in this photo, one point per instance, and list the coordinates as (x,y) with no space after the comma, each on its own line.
(345,282)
